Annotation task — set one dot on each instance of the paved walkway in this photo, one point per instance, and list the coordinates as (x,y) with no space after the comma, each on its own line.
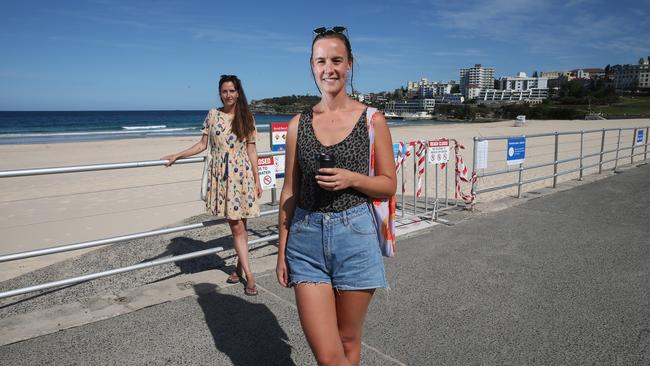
(559,279)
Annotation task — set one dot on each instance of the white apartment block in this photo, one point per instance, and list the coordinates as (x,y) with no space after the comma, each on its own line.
(476,78)
(411,106)
(448,98)
(511,95)
(632,76)
(554,74)
(521,82)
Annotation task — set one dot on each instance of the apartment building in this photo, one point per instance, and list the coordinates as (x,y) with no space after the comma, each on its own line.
(475,79)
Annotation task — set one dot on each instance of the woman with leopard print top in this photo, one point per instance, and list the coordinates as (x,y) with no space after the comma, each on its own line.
(328,247)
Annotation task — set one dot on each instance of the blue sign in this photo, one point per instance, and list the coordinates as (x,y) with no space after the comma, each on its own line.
(395,150)
(639,137)
(516,152)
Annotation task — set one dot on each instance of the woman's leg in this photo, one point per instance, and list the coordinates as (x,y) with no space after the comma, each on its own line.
(351,309)
(317,310)
(240,242)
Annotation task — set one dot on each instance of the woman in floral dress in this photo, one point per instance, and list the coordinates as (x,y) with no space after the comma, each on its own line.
(233,187)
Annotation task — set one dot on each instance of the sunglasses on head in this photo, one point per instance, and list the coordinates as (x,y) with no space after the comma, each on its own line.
(322,31)
(229,76)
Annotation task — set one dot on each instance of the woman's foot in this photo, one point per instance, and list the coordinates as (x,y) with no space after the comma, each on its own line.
(233,278)
(250,289)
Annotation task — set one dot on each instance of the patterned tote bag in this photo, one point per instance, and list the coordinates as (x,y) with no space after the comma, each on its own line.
(382,208)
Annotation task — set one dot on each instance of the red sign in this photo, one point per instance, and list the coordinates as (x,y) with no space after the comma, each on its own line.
(439,143)
(265,161)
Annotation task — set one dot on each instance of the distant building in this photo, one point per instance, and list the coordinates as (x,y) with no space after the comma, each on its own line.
(521,82)
(411,106)
(586,73)
(553,74)
(449,98)
(430,90)
(631,77)
(555,79)
(475,79)
(532,96)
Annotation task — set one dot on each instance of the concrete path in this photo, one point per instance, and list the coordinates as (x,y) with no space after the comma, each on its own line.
(559,279)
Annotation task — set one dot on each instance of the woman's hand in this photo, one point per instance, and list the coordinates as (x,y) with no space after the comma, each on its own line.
(281,272)
(171,159)
(335,179)
(258,188)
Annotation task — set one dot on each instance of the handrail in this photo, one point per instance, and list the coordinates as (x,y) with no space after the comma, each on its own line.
(483,138)
(110,166)
(115,239)
(92,276)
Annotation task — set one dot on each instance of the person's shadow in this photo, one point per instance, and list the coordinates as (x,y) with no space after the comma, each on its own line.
(248,333)
(184,245)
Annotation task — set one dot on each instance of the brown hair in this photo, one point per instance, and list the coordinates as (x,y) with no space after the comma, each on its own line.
(243,124)
(348,47)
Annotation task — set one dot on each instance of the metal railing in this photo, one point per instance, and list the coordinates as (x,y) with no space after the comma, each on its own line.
(581,150)
(419,208)
(116,239)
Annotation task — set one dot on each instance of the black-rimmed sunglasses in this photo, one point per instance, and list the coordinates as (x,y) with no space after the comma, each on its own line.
(229,76)
(322,31)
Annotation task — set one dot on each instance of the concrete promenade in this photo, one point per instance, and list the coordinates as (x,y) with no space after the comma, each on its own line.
(561,278)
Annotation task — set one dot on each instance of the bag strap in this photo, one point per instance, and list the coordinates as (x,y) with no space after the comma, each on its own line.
(370,122)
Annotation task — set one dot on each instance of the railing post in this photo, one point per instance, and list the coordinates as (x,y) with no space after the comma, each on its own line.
(447,181)
(645,151)
(618,146)
(602,149)
(274,198)
(415,179)
(557,137)
(521,172)
(435,169)
(582,140)
(473,168)
(426,182)
(632,150)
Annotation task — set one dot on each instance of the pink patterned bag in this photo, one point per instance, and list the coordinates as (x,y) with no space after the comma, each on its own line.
(382,208)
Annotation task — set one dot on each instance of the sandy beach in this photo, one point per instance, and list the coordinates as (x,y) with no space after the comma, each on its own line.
(49,210)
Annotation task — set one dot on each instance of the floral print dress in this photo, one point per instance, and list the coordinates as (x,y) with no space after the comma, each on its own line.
(231,187)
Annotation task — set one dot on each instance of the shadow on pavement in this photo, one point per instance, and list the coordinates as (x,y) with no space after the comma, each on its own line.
(248,333)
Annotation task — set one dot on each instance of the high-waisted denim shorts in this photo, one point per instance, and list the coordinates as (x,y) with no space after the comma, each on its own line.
(338,248)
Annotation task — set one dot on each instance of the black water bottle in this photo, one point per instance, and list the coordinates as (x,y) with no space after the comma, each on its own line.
(326,160)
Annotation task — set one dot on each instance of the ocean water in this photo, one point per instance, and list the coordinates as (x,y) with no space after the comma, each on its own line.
(52,127)
(56,127)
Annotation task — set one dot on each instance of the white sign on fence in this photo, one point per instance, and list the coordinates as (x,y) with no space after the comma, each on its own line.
(639,137)
(266,172)
(438,151)
(482,154)
(279,165)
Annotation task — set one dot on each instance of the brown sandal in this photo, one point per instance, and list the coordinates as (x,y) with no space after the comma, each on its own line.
(250,291)
(233,278)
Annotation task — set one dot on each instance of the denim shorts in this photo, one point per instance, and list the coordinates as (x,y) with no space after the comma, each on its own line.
(338,248)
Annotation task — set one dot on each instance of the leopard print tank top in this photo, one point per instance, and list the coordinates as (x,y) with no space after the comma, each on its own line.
(351,153)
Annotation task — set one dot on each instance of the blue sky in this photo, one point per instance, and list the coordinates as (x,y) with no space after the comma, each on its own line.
(119,55)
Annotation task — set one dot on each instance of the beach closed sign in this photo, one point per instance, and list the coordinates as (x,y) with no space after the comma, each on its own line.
(516,152)
(279,136)
(266,172)
(438,151)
